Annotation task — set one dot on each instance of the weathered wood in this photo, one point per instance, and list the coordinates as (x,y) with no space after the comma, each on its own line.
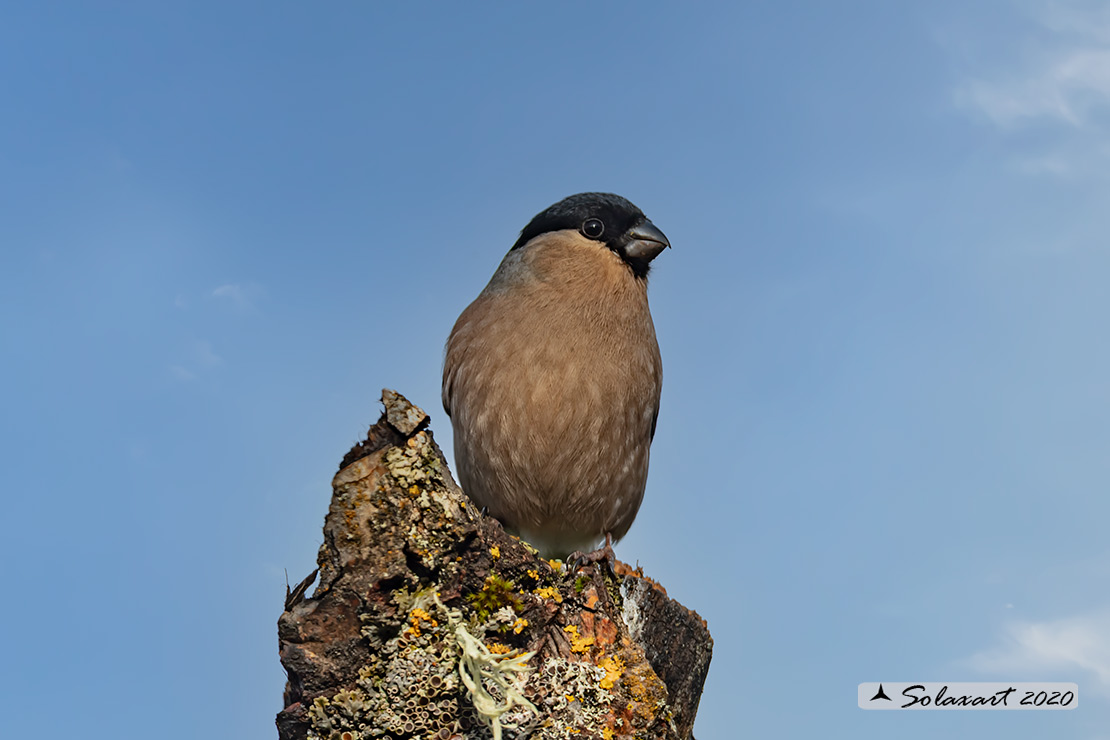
(414,583)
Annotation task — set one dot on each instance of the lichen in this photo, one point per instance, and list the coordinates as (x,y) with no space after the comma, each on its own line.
(578,643)
(439,674)
(414,464)
(574,701)
(613,667)
(410,688)
(436,672)
(494,682)
(549,592)
(416,616)
(434,678)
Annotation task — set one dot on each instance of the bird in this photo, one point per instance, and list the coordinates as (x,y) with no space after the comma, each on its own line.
(552,378)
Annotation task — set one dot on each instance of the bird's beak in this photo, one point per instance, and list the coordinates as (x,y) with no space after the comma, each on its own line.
(646,241)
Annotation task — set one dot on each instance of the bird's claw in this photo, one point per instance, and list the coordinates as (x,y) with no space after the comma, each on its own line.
(604,554)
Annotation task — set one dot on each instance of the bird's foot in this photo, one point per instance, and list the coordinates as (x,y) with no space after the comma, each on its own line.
(604,554)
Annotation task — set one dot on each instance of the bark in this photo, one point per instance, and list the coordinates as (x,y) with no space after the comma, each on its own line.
(429,621)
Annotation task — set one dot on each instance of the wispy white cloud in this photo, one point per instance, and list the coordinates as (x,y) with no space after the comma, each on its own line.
(201,357)
(1068,87)
(181,374)
(1045,164)
(204,355)
(233,291)
(1073,645)
(242,295)
(1056,77)
(1086,19)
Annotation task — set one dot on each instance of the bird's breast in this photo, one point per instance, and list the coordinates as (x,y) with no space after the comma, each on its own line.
(552,387)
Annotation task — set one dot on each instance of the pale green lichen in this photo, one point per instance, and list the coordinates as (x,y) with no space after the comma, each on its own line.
(431,675)
(414,463)
(576,700)
(434,672)
(485,674)
(338,717)
(409,689)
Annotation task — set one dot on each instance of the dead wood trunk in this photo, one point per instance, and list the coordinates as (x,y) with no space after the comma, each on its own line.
(429,621)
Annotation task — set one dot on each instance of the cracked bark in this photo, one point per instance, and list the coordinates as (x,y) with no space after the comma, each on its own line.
(407,562)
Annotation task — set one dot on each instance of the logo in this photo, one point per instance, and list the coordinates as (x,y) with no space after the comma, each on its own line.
(972,696)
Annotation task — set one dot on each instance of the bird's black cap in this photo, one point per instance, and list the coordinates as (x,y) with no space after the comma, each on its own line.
(620,220)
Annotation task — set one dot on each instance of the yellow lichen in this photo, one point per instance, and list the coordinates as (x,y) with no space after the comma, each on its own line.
(498,649)
(519,625)
(416,616)
(495,551)
(549,592)
(613,667)
(578,643)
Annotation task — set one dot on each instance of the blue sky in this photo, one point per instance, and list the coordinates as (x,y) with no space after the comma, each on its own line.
(883,446)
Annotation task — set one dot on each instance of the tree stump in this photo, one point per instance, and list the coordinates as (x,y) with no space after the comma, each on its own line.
(429,621)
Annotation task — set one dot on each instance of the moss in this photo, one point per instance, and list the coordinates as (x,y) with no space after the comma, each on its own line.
(496,593)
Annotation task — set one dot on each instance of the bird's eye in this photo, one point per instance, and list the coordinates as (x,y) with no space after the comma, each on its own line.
(593,228)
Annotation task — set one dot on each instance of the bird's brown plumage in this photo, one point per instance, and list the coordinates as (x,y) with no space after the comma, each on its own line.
(552,380)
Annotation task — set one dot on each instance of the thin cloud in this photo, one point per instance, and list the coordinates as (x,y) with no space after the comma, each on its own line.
(1050,164)
(201,357)
(181,374)
(242,295)
(1081,19)
(1069,89)
(204,355)
(1056,77)
(1078,646)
